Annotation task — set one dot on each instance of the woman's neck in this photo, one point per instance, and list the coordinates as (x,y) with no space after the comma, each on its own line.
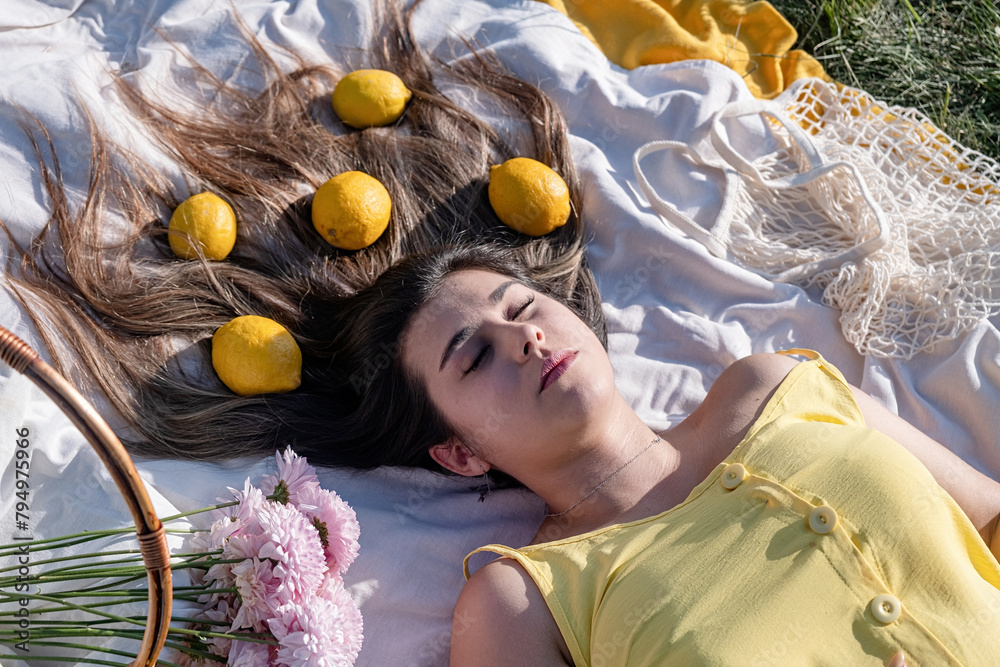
(622,472)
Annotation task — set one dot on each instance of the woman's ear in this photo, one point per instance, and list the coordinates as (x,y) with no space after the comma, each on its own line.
(456,457)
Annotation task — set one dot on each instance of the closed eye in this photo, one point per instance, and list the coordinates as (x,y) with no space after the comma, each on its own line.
(523,307)
(486,348)
(478,360)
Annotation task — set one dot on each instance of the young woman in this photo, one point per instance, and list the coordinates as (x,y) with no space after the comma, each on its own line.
(703,544)
(790,519)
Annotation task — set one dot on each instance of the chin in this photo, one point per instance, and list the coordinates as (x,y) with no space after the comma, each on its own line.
(586,394)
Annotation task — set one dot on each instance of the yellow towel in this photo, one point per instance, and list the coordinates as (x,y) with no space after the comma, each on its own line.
(752,38)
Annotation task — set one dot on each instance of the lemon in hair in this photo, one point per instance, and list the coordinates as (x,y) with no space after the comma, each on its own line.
(529,196)
(370,97)
(204,220)
(256,355)
(351,210)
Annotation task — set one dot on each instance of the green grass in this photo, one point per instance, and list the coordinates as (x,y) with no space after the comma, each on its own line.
(940,57)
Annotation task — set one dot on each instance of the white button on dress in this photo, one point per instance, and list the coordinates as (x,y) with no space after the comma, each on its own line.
(886,608)
(823,519)
(733,476)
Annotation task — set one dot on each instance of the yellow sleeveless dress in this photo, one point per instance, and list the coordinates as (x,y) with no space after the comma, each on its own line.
(818,541)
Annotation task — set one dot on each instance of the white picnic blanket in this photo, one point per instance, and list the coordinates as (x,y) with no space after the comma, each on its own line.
(676,315)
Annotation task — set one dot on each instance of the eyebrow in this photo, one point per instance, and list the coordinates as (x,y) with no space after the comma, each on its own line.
(466,332)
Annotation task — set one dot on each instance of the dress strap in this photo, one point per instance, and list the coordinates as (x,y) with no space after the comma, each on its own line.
(828,390)
(490,548)
(801,352)
(812,355)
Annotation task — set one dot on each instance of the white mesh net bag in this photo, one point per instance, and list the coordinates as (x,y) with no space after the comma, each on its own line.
(895,222)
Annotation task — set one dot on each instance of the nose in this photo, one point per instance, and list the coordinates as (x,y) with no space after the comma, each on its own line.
(533,338)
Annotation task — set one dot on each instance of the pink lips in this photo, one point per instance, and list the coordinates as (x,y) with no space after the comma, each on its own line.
(555,365)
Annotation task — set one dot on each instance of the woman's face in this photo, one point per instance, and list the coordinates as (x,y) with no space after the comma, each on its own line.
(516,373)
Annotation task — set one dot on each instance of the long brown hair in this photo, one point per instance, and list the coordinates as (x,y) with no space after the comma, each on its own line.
(139,320)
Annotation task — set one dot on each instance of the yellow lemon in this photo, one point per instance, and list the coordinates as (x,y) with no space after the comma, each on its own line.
(205,220)
(529,196)
(351,210)
(256,355)
(370,97)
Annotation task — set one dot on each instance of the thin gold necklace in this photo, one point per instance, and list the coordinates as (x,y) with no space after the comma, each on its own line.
(606,479)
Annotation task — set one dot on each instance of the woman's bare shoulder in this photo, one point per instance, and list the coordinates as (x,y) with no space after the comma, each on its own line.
(738,396)
(758,372)
(501,618)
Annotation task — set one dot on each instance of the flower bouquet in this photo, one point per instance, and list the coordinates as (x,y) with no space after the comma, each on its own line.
(266,584)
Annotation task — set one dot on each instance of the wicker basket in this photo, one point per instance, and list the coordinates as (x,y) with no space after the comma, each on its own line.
(149,529)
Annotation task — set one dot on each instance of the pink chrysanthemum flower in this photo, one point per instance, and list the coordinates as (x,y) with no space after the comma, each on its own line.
(223,613)
(220,646)
(317,632)
(250,500)
(208,541)
(294,476)
(229,519)
(337,525)
(240,546)
(288,554)
(256,584)
(213,538)
(244,544)
(251,654)
(235,520)
(292,543)
(220,576)
(353,625)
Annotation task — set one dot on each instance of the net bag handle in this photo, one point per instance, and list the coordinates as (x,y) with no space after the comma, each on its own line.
(735,168)
(150,531)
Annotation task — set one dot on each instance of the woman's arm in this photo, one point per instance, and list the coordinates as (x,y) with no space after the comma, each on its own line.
(501,619)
